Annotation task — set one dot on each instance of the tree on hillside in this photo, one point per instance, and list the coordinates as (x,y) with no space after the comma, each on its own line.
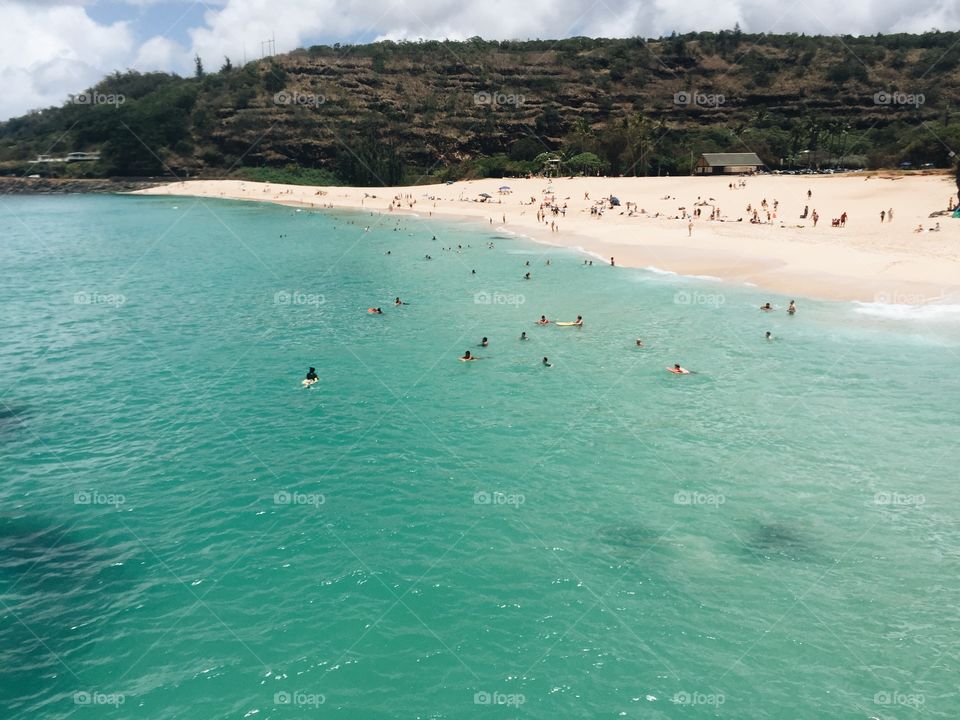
(586,163)
(199,66)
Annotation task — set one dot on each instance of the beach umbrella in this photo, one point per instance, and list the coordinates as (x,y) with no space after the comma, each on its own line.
(485,195)
(504,187)
(614,200)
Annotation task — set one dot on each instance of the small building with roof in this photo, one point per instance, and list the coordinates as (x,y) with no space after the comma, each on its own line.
(727,163)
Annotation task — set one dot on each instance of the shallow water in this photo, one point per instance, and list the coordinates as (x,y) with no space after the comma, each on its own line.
(188,533)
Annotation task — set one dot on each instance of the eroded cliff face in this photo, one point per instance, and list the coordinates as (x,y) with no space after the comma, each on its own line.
(387,109)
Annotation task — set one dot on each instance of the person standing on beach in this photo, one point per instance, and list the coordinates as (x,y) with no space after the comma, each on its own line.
(690,228)
(612,264)
(890,215)
(883,216)
(815,217)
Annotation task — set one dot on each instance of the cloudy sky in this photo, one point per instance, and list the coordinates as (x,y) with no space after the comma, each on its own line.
(50,48)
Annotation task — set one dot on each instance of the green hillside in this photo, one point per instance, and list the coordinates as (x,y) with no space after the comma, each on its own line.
(389,112)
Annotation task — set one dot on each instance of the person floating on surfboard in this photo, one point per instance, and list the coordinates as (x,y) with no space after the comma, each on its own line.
(543,320)
(375,311)
(312,374)
(677,370)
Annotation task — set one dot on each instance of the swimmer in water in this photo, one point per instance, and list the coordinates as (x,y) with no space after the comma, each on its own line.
(639,342)
(375,311)
(766,307)
(543,320)
(468,356)
(526,276)
(579,321)
(312,374)
(523,335)
(676,369)
(546,362)
(769,335)
(398,301)
(473,272)
(793,307)
(484,343)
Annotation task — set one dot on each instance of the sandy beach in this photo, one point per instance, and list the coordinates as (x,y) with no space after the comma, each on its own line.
(866,259)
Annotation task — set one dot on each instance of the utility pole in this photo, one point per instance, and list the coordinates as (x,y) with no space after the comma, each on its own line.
(268,47)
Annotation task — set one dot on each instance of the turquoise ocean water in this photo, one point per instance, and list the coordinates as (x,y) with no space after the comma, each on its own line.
(187,533)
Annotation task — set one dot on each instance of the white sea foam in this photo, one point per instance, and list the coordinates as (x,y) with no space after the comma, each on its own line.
(660,271)
(927,312)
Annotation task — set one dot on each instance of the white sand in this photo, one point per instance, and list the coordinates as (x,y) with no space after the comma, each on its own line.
(865,260)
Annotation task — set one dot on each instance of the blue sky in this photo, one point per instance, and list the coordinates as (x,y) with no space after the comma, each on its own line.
(51,48)
(171,19)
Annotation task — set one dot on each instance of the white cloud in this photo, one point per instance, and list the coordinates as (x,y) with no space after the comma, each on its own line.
(49,51)
(160,53)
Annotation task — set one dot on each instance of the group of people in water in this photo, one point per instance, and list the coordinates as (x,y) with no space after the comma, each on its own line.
(485,342)
(468,355)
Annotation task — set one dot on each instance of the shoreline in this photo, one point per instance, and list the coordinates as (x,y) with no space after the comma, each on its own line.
(866,261)
(73,186)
